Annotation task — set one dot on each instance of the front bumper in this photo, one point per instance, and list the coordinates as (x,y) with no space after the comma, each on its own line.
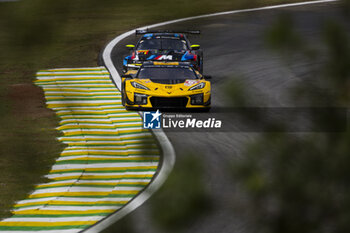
(194,100)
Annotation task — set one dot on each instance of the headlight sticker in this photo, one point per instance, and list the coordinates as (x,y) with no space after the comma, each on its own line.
(191,82)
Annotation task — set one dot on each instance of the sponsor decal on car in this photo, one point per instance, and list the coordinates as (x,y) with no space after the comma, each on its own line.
(164,57)
(142,51)
(191,82)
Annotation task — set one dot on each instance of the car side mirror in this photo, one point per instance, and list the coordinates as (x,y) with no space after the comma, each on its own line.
(130,46)
(195,46)
(207,77)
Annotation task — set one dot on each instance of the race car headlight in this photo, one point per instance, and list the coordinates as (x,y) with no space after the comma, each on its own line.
(140,99)
(197,99)
(198,86)
(139,86)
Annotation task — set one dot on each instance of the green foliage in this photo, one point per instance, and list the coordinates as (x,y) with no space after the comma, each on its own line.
(297,183)
(300,182)
(28,148)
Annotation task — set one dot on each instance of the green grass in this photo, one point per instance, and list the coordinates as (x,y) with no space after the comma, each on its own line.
(41,34)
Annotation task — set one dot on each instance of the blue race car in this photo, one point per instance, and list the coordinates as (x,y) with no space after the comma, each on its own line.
(163,46)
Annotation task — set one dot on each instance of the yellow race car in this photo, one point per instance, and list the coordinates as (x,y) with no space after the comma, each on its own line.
(162,85)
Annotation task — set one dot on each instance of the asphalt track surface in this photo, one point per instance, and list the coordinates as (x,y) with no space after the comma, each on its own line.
(234,49)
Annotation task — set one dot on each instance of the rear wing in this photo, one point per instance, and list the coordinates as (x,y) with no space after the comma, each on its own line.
(145,31)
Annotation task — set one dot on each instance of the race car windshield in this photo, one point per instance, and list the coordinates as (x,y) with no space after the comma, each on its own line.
(162,44)
(161,73)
